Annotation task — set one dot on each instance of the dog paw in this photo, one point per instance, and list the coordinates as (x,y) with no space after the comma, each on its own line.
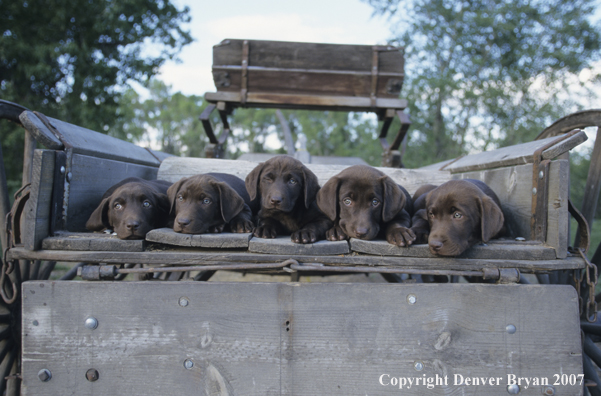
(336,234)
(242,226)
(216,229)
(304,236)
(400,236)
(265,232)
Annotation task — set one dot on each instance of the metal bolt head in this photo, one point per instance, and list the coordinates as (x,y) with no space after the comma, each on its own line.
(520,239)
(510,329)
(183,302)
(541,174)
(419,366)
(44,375)
(548,390)
(69,177)
(92,375)
(91,323)
(534,190)
(513,389)
(411,298)
(188,364)
(63,170)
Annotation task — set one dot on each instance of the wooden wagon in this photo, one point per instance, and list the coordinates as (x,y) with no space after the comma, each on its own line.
(515,327)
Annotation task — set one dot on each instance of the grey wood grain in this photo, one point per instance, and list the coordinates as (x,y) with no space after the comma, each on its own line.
(514,155)
(294,339)
(174,168)
(88,241)
(187,257)
(226,240)
(41,132)
(509,251)
(36,224)
(91,177)
(283,245)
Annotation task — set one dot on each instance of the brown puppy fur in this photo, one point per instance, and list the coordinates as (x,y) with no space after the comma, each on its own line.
(131,208)
(286,190)
(209,202)
(457,215)
(364,203)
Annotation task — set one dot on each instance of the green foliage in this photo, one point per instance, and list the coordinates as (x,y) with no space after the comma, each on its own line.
(489,72)
(168,121)
(71,59)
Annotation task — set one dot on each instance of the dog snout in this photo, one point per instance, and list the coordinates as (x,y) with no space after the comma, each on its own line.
(183,221)
(132,225)
(435,244)
(361,232)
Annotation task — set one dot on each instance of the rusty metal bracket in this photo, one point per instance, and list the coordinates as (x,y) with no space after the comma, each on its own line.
(540,186)
(244,71)
(215,147)
(391,157)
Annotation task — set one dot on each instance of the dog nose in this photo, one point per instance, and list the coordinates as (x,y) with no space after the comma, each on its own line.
(435,244)
(275,200)
(183,221)
(132,225)
(361,231)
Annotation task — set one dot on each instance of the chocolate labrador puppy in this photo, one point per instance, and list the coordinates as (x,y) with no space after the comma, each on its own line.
(364,203)
(457,215)
(286,189)
(209,202)
(132,207)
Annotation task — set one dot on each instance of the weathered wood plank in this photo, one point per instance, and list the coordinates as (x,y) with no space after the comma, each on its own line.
(283,245)
(514,155)
(509,251)
(513,186)
(191,257)
(174,168)
(91,177)
(306,102)
(42,134)
(295,339)
(91,241)
(36,224)
(226,240)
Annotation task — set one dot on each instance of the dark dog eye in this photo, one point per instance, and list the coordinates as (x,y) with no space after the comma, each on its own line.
(431,214)
(206,201)
(292,181)
(146,204)
(180,198)
(117,205)
(375,202)
(457,215)
(347,201)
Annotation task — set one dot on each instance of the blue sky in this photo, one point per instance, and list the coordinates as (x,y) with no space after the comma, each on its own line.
(323,21)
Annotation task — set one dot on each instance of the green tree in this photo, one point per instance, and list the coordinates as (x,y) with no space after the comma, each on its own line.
(70,59)
(482,73)
(167,121)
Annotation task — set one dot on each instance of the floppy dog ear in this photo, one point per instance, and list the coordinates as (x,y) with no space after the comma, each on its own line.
(311,186)
(491,217)
(99,218)
(172,193)
(393,199)
(230,202)
(252,181)
(327,198)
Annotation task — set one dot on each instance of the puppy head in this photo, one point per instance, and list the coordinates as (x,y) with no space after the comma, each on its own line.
(200,202)
(460,214)
(361,198)
(281,182)
(131,210)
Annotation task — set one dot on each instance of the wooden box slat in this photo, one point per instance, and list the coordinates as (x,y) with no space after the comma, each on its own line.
(88,241)
(226,240)
(38,210)
(295,339)
(310,68)
(283,245)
